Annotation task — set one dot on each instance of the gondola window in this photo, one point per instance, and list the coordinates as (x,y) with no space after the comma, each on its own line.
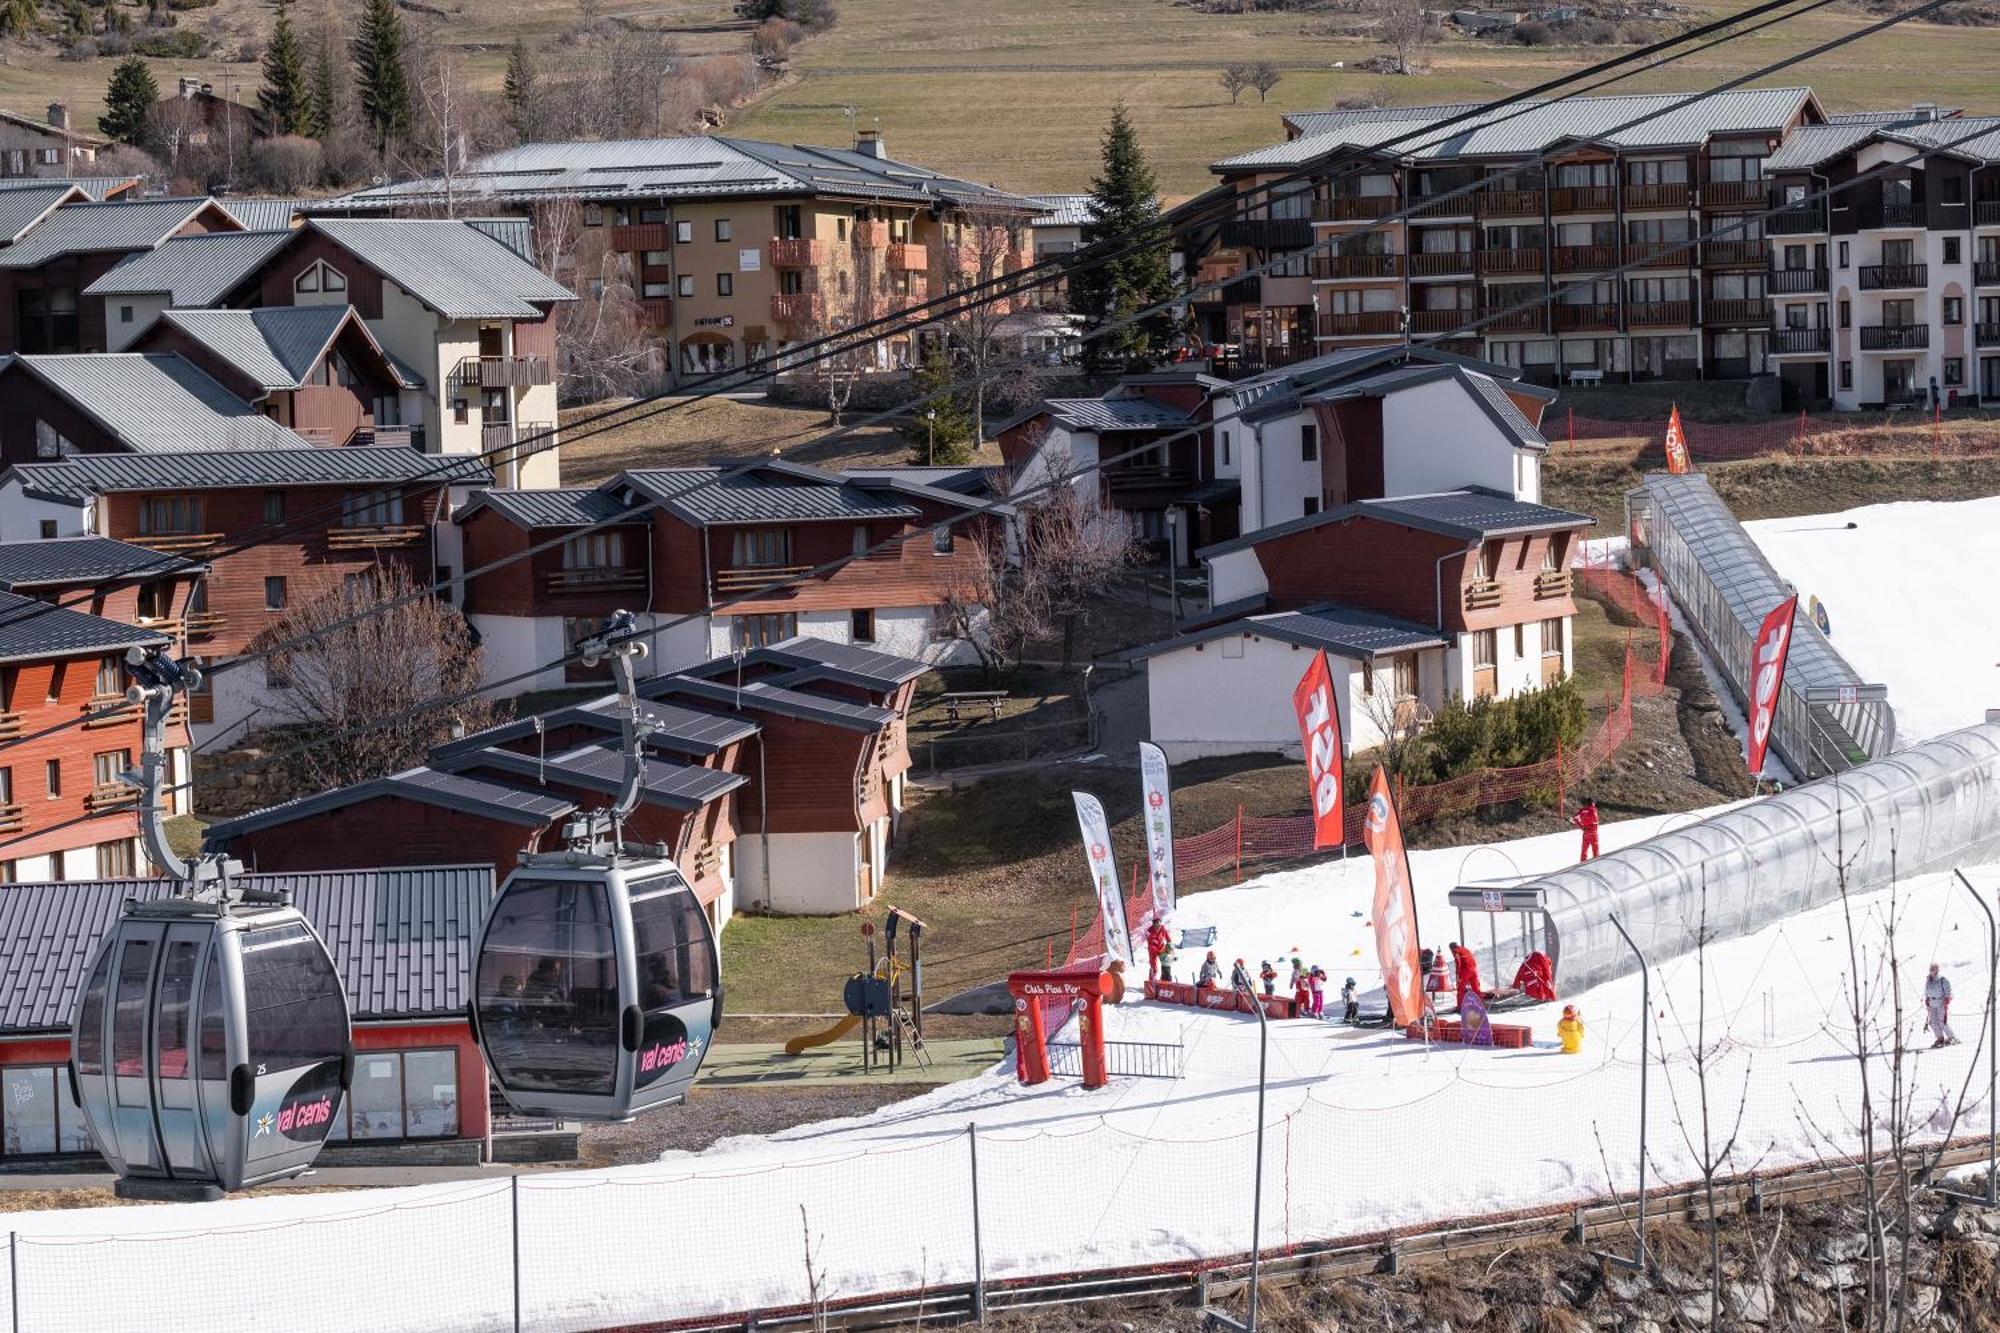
(673,960)
(548,989)
(293,1006)
(128,1022)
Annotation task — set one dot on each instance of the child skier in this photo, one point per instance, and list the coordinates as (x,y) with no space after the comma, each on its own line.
(1157,943)
(1269,976)
(1586,820)
(1166,961)
(1301,991)
(1466,969)
(1316,981)
(1937,1008)
(1298,974)
(1211,971)
(1239,976)
(1570,1029)
(1350,1007)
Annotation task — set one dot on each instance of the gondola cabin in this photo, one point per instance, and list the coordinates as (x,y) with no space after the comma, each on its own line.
(211,1047)
(597,988)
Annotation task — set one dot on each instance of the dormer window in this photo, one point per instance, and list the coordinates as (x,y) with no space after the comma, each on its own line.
(321,277)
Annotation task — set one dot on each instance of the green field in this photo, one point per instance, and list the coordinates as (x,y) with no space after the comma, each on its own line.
(1015,92)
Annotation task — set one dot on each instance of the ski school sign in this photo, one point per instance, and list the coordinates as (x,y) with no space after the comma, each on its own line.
(1767,677)
(1104,876)
(1319,734)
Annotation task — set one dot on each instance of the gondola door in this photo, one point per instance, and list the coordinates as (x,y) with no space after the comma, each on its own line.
(297,1051)
(134,1037)
(673,954)
(175,1068)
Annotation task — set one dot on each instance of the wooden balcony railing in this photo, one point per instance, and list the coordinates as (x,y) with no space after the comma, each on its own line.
(907,257)
(1894,277)
(397,437)
(1735,253)
(373,536)
(1660,314)
(1582,199)
(1798,342)
(794,252)
(178,543)
(1986,272)
(1360,324)
(1571,258)
(1673,195)
(1440,263)
(1736,310)
(1901,217)
(1501,319)
(871,234)
(746,577)
(503,372)
(1796,281)
(640,236)
(1482,594)
(1495,262)
(111,796)
(1659,254)
(1510,204)
(1357,266)
(1552,583)
(1985,335)
(1895,337)
(1570,317)
(1802,220)
(1268,233)
(1354,208)
(1457,206)
(796,307)
(204,624)
(11,820)
(10,726)
(596,580)
(1438,321)
(1733,194)
(1986,213)
(1129,478)
(655,312)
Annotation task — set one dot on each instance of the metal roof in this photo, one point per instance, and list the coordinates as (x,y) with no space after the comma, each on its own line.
(192,270)
(1649,120)
(681,730)
(1812,145)
(32,629)
(517,234)
(1469,515)
(760,493)
(83,228)
(1485,392)
(1114,414)
(427,786)
(601,768)
(48,131)
(402,939)
(760,696)
(22,209)
(979,481)
(275,347)
(455,269)
(1305,123)
(63,560)
(696,167)
(1341,630)
(76,478)
(843,662)
(263,214)
(572,507)
(156,402)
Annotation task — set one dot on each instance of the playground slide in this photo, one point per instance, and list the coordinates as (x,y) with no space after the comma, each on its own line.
(800,1045)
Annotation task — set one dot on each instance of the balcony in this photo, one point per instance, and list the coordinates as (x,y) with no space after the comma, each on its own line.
(1986,272)
(1500,262)
(1268,233)
(177,543)
(1734,194)
(1895,337)
(1802,220)
(1438,321)
(526,433)
(871,234)
(1582,199)
(1673,195)
(397,437)
(1901,217)
(1796,281)
(1482,594)
(907,257)
(204,624)
(1571,258)
(1986,335)
(1362,324)
(1121,480)
(640,236)
(11,820)
(109,710)
(655,312)
(1552,583)
(1736,310)
(373,536)
(1242,291)
(1660,315)
(1798,342)
(503,372)
(1457,206)
(795,252)
(1986,213)
(1354,207)
(1659,254)
(1735,254)
(1894,277)
(1440,263)
(111,796)
(609,579)
(1510,204)
(1357,266)
(10,726)
(1572,317)
(748,578)
(1503,320)
(796,308)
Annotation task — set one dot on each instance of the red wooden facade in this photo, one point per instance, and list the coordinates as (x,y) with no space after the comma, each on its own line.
(323,408)
(545,584)
(61,280)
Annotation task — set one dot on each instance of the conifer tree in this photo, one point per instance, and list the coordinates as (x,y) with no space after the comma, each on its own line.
(286,97)
(519,88)
(128,103)
(381,82)
(940,429)
(323,107)
(1125,206)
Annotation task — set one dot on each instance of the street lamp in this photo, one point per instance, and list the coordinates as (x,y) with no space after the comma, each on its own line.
(930,449)
(1217,1318)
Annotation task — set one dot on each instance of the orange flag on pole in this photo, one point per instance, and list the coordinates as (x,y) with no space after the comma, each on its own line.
(1395,904)
(1678,460)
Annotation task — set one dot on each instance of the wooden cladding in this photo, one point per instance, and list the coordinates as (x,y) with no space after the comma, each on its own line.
(108,710)
(1359,324)
(503,372)
(11,820)
(1670,196)
(10,726)
(1482,594)
(1354,207)
(1552,583)
(1510,261)
(111,796)
(596,580)
(373,536)
(176,543)
(794,252)
(1582,199)
(749,577)
(907,257)
(640,236)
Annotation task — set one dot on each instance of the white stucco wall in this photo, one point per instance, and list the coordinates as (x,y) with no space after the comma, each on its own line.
(1277,482)
(119,332)
(1235,575)
(906,631)
(1514,672)
(512,644)
(681,644)
(1437,438)
(814,874)
(79,863)
(21,515)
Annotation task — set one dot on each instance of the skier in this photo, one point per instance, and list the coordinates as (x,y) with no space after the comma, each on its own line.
(1570,1029)
(1432,963)
(1586,820)
(1269,976)
(1239,976)
(1316,981)
(1166,961)
(1157,942)
(1301,990)
(1937,1008)
(1467,969)
(1211,971)
(1298,981)
(1350,1007)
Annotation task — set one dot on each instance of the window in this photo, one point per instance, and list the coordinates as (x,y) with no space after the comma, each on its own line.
(1952,251)
(170,515)
(1308,443)
(1952,189)
(58,866)
(1954,370)
(1223,438)
(1404,665)
(595,550)
(52,777)
(686,285)
(37,1116)
(683,233)
(1846,313)
(1310,505)
(1485,648)
(57,679)
(725,284)
(295,1012)
(107,765)
(722,232)
(759,631)
(6,788)
(401,1095)
(110,677)
(371,509)
(1954,310)
(861,625)
(48,529)
(1368,675)
(593,215)
(761,547)
(941,539)
(1846,371)
(1843,254)
(1552,637)
(274,592)
(861,542)
(116,861)
(461,411)
(1520,641)
(50,442)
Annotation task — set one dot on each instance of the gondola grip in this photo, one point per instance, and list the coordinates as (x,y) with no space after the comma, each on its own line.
(242,1089)
(75,1095)
(715,1012)
(347,1068)
(630,1025)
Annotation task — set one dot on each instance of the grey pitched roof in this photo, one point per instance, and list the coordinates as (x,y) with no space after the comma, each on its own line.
(517,234)
(1484,391)
(1305,123)
(262,214)
(1341,630)
(275,347)
(49,131)
(455,269)
(402,939)
(76,478)
(156,403)
(703,167)
(195,270)
(1523,129)
(86,228)
(31,629)
(1114,414)
(1812,145)
(1330,368)
(66,560)
(427,786)
(22,209)
(843,662)
(764,493)
(978,481)
(570,507)
(601,768)
(676,729)
(1469,515)
(761,696)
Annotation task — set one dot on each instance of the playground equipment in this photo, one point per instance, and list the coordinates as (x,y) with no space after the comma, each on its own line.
(886,1002)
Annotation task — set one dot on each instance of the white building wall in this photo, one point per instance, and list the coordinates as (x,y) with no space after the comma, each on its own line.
(22,516)
(79,863)
(120,332)
(1283,480)
(1187,689)
(906,631)
(513,644)
(810,874)
(1234,575)
(1437,438)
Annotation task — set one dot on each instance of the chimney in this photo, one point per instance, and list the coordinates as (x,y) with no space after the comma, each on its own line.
(868,143)
(189,87)
(1925,110)
(58,116)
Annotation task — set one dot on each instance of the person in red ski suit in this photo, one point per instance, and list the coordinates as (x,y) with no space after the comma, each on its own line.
(1586,820)
(1466,969)
(1157,940)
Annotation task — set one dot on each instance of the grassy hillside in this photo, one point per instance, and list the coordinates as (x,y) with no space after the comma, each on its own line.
(1016,91)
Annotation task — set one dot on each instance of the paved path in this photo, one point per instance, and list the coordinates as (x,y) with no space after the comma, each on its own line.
(733,1064)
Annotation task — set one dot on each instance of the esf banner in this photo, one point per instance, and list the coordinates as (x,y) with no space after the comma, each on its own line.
(1104,876)
(1156,808)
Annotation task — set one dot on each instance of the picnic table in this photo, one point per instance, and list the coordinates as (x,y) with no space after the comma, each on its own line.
(959,703)
(1594,378)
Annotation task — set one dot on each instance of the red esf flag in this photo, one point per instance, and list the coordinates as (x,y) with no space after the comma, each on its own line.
(1677,444)
(1319,733)
(1395,904)
(1767,676)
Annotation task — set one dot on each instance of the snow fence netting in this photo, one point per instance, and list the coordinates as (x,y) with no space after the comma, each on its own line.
(1933,807)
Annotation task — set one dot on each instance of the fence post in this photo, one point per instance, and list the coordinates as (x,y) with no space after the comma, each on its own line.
(514,1206)
(1239,844)
(14,1279)
(978,1239)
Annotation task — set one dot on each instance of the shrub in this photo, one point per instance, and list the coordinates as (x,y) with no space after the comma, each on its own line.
(1505,733)
(286,163)
(1534,32)
(190,4)
(773,39)
(172,44)
(1590,31)
(83,48)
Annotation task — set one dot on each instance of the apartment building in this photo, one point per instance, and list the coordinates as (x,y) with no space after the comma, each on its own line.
(734,249)
(1627,180)
(1886,293)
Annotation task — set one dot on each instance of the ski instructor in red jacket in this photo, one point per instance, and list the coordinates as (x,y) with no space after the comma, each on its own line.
(1465,969)
(1586,820)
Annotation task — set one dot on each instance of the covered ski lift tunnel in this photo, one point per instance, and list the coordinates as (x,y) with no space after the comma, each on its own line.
(1934,807)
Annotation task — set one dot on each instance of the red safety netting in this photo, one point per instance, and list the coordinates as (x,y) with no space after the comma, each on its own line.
(1803,434)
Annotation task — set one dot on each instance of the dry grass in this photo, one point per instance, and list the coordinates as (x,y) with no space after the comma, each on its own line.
(690,431)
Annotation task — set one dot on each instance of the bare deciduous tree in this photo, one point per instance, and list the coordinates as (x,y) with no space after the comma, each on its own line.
(990,604)
(1264,76)
(1398,720)
(980,247)
(1406,27)
(1234,79)
(1071,546)
(602,350)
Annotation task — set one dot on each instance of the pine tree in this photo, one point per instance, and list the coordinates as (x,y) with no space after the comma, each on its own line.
(286,97)
(940,430)
(128,102)
(519,88)
(380,80)
(322,110)
(1125,206)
